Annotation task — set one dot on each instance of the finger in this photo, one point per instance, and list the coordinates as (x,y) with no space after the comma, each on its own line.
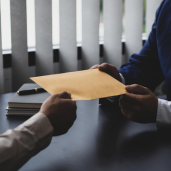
(74,116)
(64,95)
(106,68)
(131,115)
(124,104)
(69,104)
(111,70)
(70,115)
(95,66)
(126,113)
(129,112)
(74,106)
(129,106)
(131,99)
(70,118)
(137,89)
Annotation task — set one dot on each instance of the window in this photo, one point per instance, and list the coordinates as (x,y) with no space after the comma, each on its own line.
(6,27)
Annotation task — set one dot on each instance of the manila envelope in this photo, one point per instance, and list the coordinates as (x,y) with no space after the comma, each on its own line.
(82,85)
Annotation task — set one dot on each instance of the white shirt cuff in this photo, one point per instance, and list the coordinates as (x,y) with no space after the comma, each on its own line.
(163,119)
(40,128)
(122,78)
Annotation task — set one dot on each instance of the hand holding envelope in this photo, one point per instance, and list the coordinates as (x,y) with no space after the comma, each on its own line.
(82,85)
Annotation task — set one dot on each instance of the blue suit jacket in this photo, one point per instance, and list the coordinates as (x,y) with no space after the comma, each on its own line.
(153,64)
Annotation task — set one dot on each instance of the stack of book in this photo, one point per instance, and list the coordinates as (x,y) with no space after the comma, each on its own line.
(26,104)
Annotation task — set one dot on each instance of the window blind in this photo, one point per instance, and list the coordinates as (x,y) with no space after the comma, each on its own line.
(112,17)
(133,26)
(1,62)
(44,52)
(68,47)
(20,69)
(90,33)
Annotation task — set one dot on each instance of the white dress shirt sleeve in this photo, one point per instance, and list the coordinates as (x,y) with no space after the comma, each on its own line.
(19,145)
(163,119)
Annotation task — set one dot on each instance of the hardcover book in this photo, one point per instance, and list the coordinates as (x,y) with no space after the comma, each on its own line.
(28,101)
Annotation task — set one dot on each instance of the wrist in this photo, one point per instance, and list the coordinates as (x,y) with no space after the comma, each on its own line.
(47,116)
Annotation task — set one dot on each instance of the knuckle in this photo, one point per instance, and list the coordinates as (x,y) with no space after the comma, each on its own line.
(54,96)
(105,63)
(136,85)
(64,93)
(95,66)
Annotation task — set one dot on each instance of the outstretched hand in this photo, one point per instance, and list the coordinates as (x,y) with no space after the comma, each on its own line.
(139,104)
(61,112)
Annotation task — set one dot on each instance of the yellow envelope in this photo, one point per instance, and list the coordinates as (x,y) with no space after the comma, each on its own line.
(83,85)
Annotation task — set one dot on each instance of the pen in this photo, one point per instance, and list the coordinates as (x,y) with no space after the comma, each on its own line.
(31,91)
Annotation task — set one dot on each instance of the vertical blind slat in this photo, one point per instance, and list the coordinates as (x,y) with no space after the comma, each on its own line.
(112,15)
(44,52)
(90,33)
(20,73)
(68,49)
(1,61)
(133,26)
(151,7)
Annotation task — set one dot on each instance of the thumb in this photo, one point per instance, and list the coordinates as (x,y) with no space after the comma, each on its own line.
(105,67)
(111,70)
(137,89)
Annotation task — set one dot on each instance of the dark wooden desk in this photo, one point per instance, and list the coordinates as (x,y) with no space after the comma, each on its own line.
(100,140)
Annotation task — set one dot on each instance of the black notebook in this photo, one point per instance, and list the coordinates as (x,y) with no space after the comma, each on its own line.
(28,101)
(22,111)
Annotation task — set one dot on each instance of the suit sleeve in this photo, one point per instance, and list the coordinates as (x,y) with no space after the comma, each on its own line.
(144,68)
(163,119)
